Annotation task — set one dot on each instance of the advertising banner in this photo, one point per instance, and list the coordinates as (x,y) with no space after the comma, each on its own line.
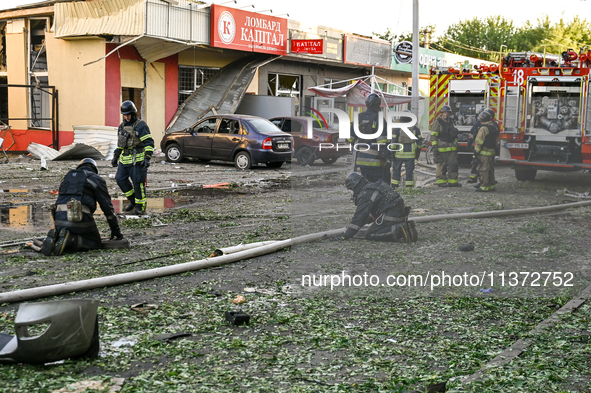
(365,51)
(248,31)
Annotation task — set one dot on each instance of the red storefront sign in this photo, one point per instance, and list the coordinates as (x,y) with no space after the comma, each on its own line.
(315,47)
(248,31)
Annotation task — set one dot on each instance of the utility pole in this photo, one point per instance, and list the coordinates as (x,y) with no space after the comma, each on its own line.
(415,58)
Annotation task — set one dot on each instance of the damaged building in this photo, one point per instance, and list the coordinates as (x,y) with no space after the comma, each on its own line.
(65,64)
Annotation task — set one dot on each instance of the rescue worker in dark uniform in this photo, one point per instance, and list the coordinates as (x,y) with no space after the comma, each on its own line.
(484,150)
(411,149)
(473,132)
(75,228)
(444,139)
(381,206)
(134,152)
(372,162)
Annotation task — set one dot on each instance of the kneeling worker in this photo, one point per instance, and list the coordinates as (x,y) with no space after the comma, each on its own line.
(381,206)
(75,228)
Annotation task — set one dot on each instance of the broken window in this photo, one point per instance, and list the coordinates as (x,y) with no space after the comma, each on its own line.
(40,103)
(2,46)
(38,51)
(3,100)
(39,97)
(285,86)
(191,78)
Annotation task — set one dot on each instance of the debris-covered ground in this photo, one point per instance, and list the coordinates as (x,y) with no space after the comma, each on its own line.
(309,337)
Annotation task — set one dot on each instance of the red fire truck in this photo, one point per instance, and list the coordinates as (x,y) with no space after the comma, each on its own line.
(546,119)
(542,107)
(467,92)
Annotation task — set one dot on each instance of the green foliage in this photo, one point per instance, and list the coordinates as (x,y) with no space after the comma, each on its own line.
(534,227)
(426,33)
(483,37)
(479,38)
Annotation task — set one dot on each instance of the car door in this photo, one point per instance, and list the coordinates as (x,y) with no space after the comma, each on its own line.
(226,139)
(297,130)
(198,144)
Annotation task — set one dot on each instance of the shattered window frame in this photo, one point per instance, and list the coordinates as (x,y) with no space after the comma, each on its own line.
(193,77)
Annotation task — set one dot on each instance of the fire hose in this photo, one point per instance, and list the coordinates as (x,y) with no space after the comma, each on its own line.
(124,278)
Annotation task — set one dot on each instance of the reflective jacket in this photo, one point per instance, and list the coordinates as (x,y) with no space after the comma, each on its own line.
(409,146)
(374,201)
(134,142)
(377,153)
(444,136)
(486,140)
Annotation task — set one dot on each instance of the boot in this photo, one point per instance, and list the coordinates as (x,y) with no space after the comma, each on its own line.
(139,210)
(64,241)
(49,243)
(131,205)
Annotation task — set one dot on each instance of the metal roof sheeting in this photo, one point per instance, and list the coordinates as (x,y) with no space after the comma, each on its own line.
(96,142)
(99,17)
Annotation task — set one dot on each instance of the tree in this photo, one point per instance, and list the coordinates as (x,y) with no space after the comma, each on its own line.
(483,38)
(426,33)
(555,38)
(480,38)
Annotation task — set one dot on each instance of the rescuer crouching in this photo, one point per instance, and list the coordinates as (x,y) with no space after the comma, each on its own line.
(75,228)
(381,206)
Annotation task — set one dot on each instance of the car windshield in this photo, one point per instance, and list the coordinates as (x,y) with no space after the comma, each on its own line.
(264,126)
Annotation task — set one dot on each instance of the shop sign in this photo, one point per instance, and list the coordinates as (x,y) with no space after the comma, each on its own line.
(365,51)
(247,31)
(403,52)
(333,46)
(315,47)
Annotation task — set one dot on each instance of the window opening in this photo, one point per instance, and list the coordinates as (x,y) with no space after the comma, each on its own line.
(191,78)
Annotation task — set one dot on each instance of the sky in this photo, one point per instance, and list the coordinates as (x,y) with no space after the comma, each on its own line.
(368,16)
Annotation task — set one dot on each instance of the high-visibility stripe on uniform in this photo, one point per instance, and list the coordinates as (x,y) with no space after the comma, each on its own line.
(446,149)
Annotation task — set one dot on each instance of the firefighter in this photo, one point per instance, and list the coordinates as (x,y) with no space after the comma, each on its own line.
(75,228)
(471,137)
(381,206)
(132,157)
(411,149)
(444,139)
(484,150)
(372,160)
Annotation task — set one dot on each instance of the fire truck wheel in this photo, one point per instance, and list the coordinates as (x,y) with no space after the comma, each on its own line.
(523,174)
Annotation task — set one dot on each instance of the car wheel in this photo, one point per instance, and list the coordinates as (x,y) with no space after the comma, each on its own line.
(330,161)
(305,156)
(275,164)
(242,160)
(174,153)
